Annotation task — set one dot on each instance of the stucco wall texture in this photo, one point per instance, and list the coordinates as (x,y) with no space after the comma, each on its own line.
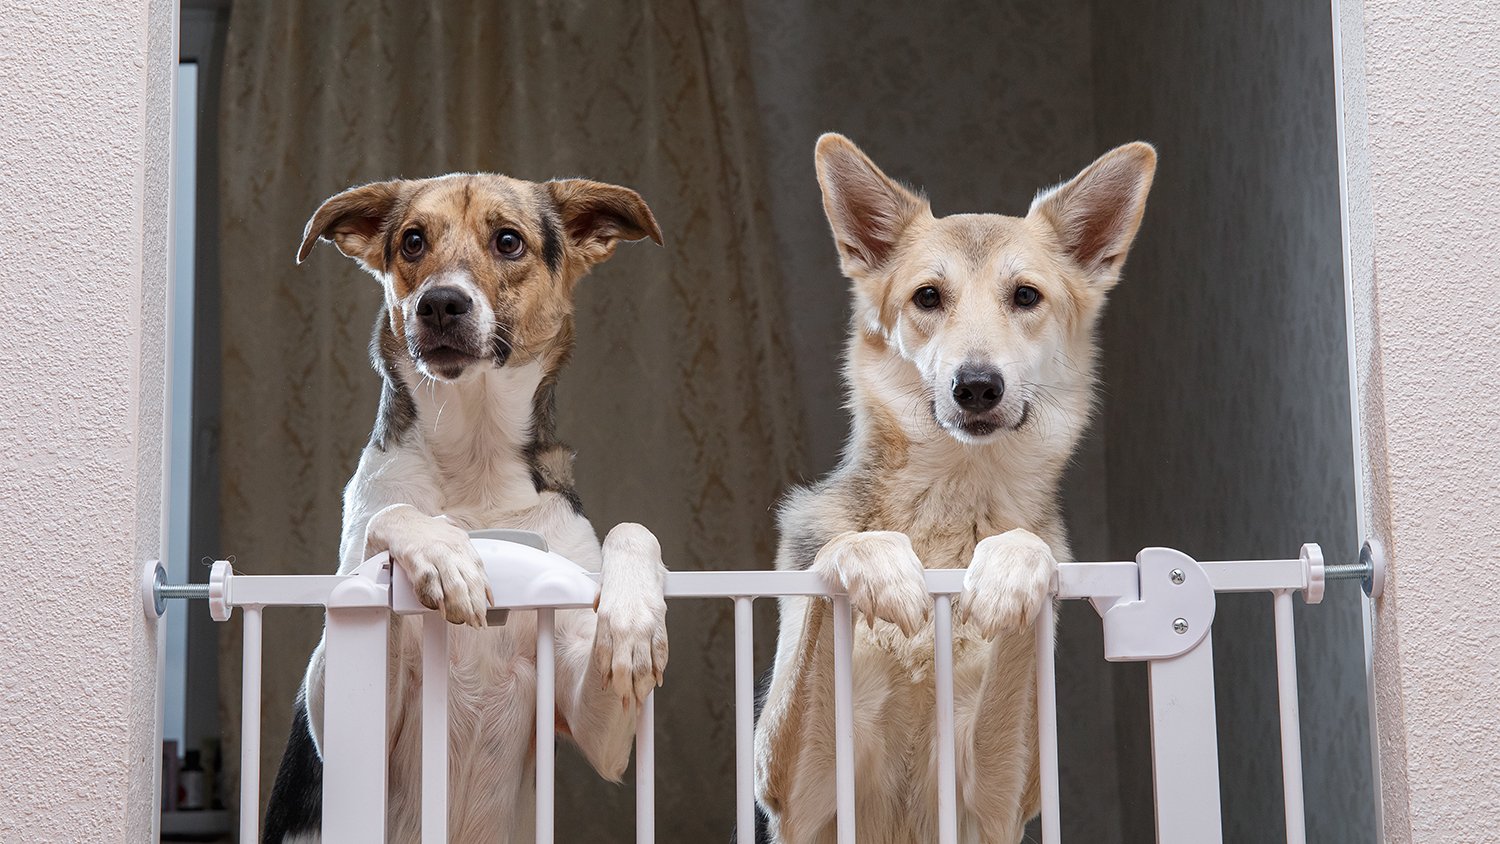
(1425,167)
(84,148)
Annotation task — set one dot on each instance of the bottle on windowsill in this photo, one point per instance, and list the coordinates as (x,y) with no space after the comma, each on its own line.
(190,784)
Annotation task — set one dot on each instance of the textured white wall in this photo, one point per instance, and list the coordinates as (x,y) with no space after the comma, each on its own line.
(84,154)
(1424,133)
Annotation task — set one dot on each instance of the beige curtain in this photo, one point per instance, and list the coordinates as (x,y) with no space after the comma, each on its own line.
(679,399)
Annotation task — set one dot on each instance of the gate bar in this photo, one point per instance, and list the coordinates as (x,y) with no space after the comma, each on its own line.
(1075,580)
(355,759)
(1291,727)
(947,784)
(434,728)
(645,771)
(843,707)
(1046,721)
(546,722)
(250,728)
(1185,747)
(744,718)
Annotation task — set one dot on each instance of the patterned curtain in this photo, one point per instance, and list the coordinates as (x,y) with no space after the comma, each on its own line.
(680,398)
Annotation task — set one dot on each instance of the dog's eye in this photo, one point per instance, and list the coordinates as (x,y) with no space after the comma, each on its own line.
(509,244)
(1026,296)
(413,244)
(927,297)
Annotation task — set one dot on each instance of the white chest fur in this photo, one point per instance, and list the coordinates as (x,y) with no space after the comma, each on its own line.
(465,459)
(473,432)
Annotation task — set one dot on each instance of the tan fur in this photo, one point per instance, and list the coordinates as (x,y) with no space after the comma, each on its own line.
(925,483)
(458,215)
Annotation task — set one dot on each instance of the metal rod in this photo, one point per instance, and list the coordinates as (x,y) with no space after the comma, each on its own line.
(546,721)
(843,707)
(185,591)
(250,728)
(1046,712)
(744,718)
(1077,580)
(1347,571)
(942,640)
(645,771)
(434,728)
(1291,728)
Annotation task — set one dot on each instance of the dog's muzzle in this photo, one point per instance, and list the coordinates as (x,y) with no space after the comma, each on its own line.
(977,392)
(444,338)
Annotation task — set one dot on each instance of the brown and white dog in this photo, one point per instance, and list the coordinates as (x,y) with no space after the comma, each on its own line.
(479,272)
(971,372)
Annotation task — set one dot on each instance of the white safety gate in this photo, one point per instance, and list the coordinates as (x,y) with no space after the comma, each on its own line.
(1158,609)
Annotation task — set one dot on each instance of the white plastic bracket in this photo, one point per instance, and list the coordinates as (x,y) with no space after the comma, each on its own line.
(1372,554)
(153,575)
(218,590)
(523,575)
(1172,613)
(1312,573)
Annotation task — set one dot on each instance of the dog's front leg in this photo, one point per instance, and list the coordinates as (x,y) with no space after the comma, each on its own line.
(612,658)
(794,748)
(1008,582)
(386,508)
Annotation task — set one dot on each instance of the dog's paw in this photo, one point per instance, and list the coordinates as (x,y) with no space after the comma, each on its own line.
(630,633)
(882,576)
(445,570)
(1007,583)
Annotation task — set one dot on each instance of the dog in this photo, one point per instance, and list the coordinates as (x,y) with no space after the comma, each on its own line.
(970,366)
(479,272)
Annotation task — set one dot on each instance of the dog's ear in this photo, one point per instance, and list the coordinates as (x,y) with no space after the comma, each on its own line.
(1096,215)
(353,221)
(597,216)
(867,209)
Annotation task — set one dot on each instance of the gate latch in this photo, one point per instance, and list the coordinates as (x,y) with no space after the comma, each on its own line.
(1172,614)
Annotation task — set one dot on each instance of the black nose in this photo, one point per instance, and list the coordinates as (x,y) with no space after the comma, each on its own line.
(441,306)
(977,390)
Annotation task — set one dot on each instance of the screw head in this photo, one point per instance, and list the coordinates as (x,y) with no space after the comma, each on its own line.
(1178,576)
(1180,625)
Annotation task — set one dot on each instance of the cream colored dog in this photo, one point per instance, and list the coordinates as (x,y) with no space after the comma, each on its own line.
(971,371)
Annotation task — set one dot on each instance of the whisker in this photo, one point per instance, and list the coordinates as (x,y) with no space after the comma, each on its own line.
(432,384)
